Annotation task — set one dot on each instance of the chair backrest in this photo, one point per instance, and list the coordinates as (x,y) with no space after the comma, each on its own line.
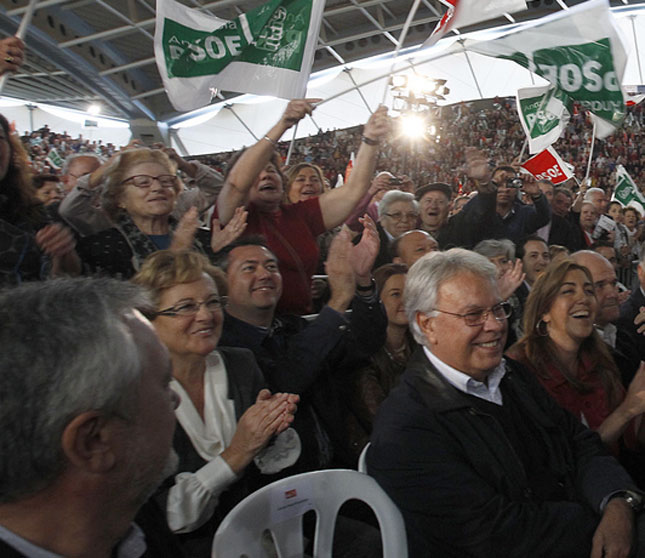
(362,462)
(279,507)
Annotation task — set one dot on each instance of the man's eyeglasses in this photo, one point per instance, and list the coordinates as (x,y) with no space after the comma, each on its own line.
(500,312)
(398,216)
(190,308)
(145,180)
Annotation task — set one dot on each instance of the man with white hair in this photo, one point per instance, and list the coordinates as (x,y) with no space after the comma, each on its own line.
(86,421)
(479,459)
(598,198)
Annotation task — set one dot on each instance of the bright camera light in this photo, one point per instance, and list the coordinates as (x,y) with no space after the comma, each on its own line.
(399,81)
(94,109)
(413,126)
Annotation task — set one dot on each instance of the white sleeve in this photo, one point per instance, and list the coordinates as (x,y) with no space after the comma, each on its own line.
(194,496)
(202,194)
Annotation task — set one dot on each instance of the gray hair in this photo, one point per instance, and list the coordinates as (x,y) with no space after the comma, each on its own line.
(493,248)
(65,350)
(589,193)
(71,158)
(394,196)
(428,274)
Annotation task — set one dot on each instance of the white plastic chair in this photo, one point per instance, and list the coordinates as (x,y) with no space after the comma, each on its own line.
(279,507)
(362,463)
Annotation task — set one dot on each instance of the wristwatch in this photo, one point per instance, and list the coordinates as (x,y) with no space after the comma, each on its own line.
(633,499)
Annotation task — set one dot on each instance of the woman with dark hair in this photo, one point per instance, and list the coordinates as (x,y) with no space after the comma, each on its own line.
(371,385)
(256,182)
(573,363)
(31,247)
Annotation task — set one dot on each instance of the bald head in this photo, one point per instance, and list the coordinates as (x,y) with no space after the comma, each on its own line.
(410,246)
(605,285)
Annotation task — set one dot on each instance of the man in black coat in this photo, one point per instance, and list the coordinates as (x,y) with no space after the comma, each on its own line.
(480,460)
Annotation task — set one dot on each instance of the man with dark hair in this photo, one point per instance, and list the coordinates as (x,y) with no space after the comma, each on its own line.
(307,358)
(87,426)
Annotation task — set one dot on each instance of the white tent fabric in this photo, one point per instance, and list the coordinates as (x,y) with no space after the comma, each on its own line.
(343,106)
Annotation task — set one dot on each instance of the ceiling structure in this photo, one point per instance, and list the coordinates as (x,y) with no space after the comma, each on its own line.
(101,51)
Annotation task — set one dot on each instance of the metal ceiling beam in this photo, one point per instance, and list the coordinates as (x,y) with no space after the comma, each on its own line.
(40,6)
(76,65)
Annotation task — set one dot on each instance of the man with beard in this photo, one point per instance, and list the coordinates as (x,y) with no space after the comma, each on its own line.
(87,421)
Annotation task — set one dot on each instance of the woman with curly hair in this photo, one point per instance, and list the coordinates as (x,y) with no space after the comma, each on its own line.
(561,346)
(32,247)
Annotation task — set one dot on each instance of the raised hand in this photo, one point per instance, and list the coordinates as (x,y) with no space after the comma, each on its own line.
(364,253)
(184,234)
(379,124)
(340,271)
(511,280)
(296,110)
(222,237)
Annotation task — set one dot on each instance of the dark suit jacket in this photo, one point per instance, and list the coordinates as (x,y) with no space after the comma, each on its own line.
(564,233)
(629,342)
(460,485)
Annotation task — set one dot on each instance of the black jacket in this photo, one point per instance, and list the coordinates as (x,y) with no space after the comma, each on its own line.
(460,485)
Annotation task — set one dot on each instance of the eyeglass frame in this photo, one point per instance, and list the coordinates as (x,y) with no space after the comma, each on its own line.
(171,311)
(503,305)
(153,178)
(406,215)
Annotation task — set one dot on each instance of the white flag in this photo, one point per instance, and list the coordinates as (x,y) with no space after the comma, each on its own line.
(579,51)
(266,51)
(466,12)
(544,113)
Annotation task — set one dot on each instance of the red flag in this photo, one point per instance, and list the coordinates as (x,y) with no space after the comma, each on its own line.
(547,165)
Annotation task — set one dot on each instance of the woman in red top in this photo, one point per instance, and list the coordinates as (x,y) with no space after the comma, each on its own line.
(570,359)
(256,182)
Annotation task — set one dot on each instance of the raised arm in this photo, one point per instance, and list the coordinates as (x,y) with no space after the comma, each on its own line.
(337,204)
(237,185)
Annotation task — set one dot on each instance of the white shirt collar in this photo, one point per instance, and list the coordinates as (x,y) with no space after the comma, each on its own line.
(608,334)
(488,391)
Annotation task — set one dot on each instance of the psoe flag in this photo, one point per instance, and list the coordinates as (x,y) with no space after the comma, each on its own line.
(466,12)
(626,191)
(266,51)
(544,113)
(579,51)
(548,165)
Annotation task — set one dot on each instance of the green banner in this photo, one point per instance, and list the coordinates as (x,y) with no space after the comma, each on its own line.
(540,121)
(274,34)
(626,190)
(584,72)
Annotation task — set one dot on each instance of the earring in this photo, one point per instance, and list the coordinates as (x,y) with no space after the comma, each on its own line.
(541,328)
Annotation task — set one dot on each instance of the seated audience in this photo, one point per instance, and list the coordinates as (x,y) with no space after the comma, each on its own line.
(81,207)
(480,460)
(226,418)
(31,246)
(87,422)
(369,387)
(307,358)
(140,194)
(568,356)
(256,182)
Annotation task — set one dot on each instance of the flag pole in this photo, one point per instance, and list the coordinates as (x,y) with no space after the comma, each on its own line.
(593,140)
(526,142)
(22,31)
(293,141)
(402,36)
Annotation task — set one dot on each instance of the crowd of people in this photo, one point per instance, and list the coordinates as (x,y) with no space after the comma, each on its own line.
(482,330)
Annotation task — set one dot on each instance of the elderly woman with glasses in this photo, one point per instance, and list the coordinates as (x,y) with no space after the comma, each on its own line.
(562,347)
(140,193)
(225,419)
